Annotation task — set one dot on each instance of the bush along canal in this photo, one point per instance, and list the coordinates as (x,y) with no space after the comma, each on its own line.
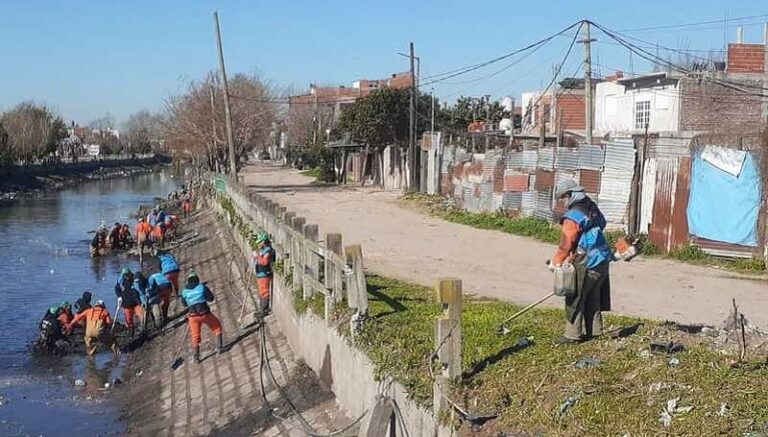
(44,245)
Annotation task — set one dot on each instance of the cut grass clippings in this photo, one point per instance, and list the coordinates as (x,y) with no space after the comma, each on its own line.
(545,231)
(527,386)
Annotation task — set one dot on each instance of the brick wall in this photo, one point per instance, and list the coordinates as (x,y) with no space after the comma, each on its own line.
(746,58)
(571,109)
(708,106)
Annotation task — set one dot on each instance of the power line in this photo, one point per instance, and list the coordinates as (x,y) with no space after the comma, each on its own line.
(660,61)
(698,23)
(464,70)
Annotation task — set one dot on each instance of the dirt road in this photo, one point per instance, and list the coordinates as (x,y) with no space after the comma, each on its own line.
(220,396)
(408,245)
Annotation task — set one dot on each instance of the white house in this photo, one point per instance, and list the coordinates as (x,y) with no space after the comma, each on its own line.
(628,105)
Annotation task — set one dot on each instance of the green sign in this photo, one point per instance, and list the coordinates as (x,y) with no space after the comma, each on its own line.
(220,184)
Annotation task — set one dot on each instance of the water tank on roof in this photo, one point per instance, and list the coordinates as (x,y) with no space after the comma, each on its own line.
(506,124)
(508,103)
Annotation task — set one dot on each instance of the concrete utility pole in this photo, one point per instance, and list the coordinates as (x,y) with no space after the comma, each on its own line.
(413,150)
(589,111)
(227,115)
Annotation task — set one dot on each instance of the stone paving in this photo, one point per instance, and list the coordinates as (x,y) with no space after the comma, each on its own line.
(222,395)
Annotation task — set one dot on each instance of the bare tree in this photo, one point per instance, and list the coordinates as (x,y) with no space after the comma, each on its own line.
(194,120)
(141,133)
(34,132)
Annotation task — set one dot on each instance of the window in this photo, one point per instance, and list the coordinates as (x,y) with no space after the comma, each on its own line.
(642,114)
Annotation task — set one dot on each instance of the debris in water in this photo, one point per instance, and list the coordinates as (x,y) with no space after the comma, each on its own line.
(674,362)
(80,383)
(583,363)
(645,353)
(117,381)
(107,385)
(4,401)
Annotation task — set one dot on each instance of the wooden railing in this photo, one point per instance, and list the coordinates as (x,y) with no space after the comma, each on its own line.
(314,265)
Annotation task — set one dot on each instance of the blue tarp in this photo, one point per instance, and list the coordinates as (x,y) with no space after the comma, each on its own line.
(722,207)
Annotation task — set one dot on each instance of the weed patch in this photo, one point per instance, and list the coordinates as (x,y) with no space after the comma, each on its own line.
(527,385)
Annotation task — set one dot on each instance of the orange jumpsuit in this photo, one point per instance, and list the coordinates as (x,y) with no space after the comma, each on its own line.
(97,319)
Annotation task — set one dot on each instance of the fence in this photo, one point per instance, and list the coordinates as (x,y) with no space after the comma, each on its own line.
(320,266)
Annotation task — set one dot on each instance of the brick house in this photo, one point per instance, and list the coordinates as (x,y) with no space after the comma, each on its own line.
(563,107)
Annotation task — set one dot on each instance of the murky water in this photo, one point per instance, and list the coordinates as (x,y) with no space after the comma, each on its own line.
(44,259)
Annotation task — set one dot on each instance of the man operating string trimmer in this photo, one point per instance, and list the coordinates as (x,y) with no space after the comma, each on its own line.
(583,244)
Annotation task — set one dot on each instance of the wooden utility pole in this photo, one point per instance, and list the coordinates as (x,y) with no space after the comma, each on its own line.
(214,152)
(413,150)
(589,111)
(227,114)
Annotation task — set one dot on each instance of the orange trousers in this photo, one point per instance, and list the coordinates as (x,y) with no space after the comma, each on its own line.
(196,323)
(265,287)
(137,311)
(165,300)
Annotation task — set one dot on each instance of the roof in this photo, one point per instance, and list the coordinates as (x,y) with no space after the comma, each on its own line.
(649,80)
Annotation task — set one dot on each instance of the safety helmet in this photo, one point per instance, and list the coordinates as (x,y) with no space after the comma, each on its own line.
(192,274)
(99,303)
(126,271)
(65,304)
(262,237)
(53,310)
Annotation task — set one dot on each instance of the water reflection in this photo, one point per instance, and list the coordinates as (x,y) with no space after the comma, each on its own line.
(44,249)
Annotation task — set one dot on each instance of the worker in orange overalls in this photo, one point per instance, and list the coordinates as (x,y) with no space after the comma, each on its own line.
(97,328)
(262,261)
(143,232)
(196,296)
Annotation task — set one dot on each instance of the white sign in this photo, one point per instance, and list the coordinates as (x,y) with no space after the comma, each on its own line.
(94,149)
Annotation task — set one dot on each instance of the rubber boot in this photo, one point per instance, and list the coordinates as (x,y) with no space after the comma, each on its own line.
(219,344)
(196,354)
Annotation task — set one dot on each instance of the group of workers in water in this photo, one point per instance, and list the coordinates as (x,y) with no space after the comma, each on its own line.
(151,231)
(145,298)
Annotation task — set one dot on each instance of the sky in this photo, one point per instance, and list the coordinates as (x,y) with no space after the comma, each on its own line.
(87,58)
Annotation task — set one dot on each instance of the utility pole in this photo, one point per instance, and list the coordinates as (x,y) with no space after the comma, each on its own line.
(432,124)
(215,135)
(413,152)
(589,111)
(227,114)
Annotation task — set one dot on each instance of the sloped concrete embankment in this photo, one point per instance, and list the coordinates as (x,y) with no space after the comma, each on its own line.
(347,371)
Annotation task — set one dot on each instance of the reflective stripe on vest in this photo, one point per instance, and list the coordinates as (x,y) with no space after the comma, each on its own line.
(592,240)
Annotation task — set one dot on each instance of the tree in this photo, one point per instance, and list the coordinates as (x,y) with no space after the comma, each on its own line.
(5,151)
(193,123)
(469,109)
(142,131)
(33,132)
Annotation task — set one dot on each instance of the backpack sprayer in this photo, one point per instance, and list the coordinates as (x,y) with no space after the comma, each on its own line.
(626,248)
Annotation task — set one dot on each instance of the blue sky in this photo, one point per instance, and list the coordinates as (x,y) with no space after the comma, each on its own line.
(86,58)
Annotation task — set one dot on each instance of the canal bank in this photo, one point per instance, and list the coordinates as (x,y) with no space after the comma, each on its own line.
(223,394)
(44,247)
(16,180)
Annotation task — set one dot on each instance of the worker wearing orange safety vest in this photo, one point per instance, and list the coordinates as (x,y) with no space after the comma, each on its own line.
(262,261)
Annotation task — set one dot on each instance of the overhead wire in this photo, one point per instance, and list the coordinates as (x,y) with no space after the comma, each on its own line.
(694,24)
(461,71)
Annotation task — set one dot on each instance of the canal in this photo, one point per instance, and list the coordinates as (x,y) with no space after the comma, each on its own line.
(44,260)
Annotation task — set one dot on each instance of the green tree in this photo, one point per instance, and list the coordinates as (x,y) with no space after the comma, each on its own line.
(383,117)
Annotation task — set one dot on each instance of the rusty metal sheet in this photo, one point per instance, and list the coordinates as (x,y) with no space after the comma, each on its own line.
(545,179)
(667,146)
(679,234)
(729,250)
(543,208)
(590,180)
(660,231)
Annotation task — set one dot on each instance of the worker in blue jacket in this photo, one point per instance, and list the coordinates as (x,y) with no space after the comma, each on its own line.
(170,268)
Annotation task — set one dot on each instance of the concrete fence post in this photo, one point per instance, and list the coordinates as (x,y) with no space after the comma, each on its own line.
(311,261)
(297,253)
(334,279)
(448,292)
(357,290)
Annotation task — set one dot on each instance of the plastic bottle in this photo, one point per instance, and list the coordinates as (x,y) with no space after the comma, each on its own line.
(565,280)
